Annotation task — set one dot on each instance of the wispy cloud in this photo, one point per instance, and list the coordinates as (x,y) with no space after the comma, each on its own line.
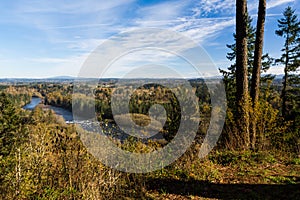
(169,10)
(69,65)
(203,29)
(275,3)
(207,7)
(59,19)
(69,7)
(72,29)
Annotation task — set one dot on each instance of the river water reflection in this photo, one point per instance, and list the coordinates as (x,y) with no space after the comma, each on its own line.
(66,114)
(108,128)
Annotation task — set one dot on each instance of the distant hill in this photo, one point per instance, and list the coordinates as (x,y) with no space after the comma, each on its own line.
(279,76)
(62,77)
(70,79)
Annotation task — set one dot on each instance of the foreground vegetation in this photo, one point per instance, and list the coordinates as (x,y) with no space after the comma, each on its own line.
(43,158)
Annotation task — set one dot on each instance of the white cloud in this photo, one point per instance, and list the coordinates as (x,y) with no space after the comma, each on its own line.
(205,28)
(206,7)
(77,26)
(85,44)
(60,19)
(163,11)
(253,4)
(81,26)
(171,15)
(70,6)
(69,65)
(276,70)
(275,3)
(188,20)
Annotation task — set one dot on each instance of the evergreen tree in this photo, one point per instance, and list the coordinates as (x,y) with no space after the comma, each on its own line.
(229,74)
(10,139)
(242,112)
(9,125)
(255,81)
(289,28)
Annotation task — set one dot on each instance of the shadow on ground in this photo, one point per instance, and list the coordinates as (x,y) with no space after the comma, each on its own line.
(225,191)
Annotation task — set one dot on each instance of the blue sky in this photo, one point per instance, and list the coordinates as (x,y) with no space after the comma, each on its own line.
(40,38)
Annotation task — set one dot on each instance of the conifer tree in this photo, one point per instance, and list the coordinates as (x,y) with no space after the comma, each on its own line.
(289,29)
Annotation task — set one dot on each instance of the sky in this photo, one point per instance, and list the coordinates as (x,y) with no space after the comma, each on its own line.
(41,38)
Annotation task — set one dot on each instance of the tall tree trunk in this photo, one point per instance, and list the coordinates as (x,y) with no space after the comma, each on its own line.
(242,115)
(255,82)
(285,79)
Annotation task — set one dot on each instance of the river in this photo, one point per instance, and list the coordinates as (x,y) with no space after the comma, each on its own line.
(33,103)
(109,129)
(66,114)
